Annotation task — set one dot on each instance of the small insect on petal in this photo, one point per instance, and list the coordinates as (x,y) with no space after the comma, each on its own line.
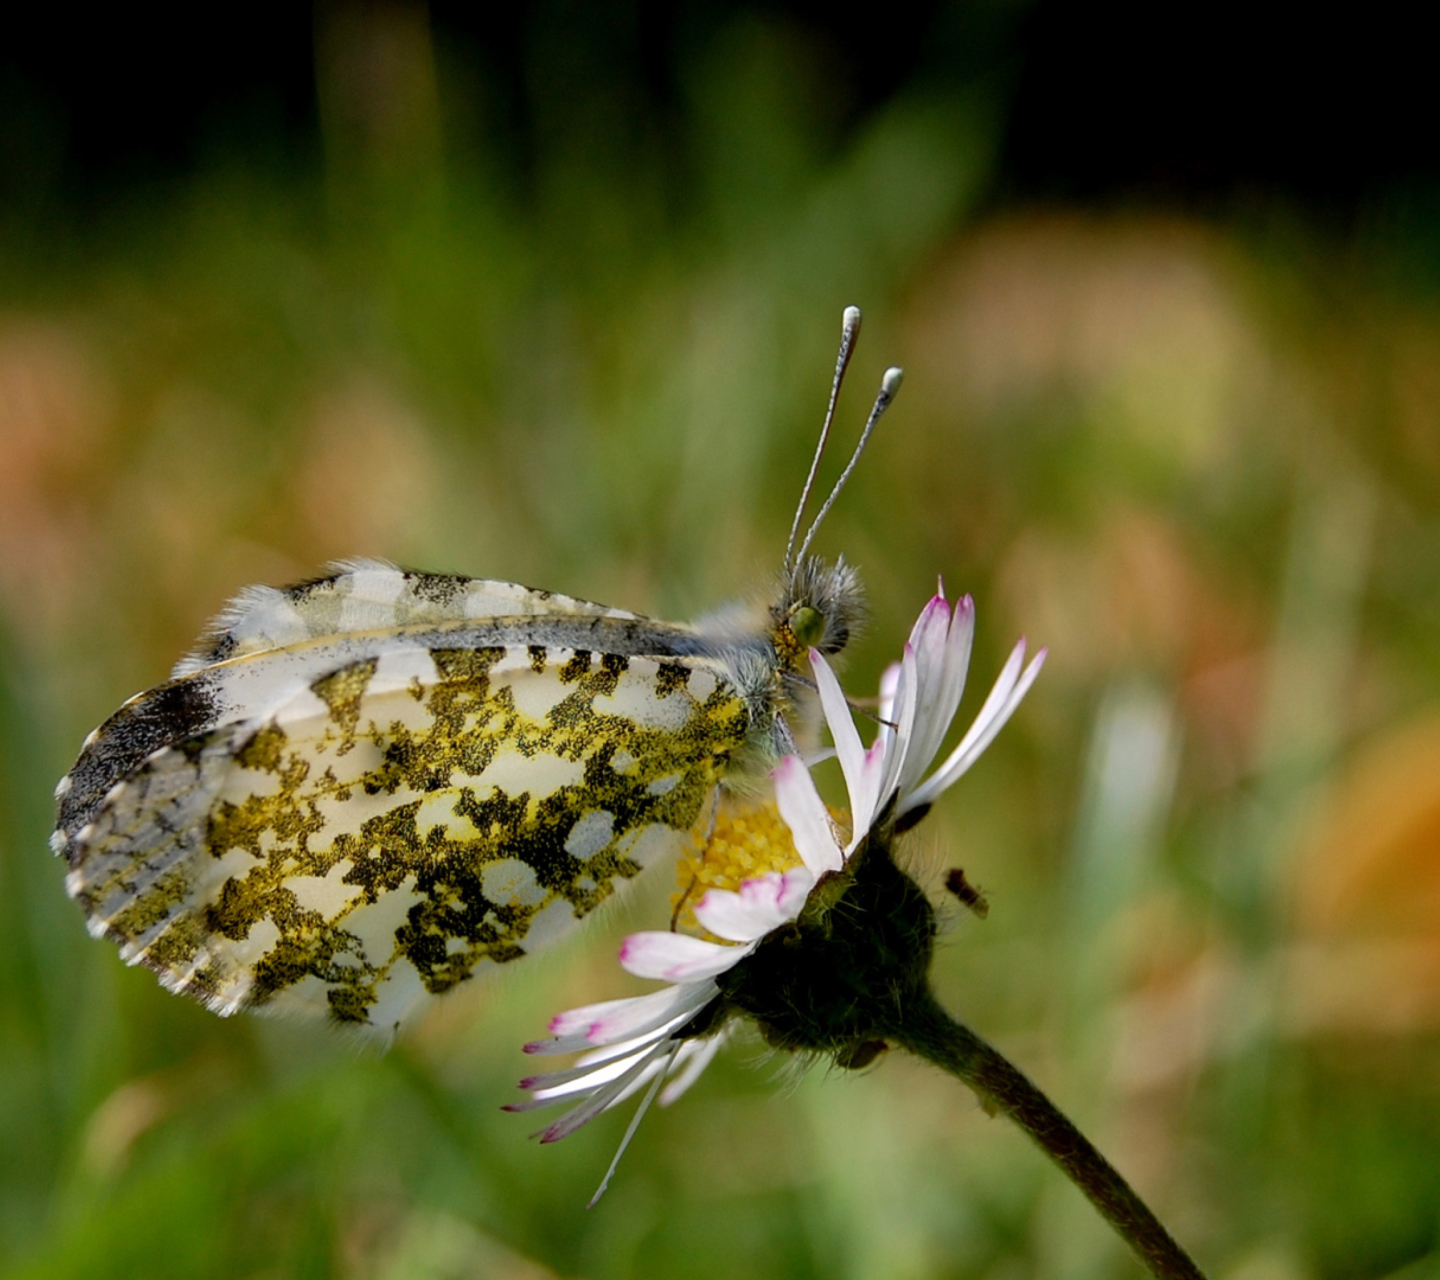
(971,895)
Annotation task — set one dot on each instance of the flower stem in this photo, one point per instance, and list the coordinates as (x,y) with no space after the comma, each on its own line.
(925,1029)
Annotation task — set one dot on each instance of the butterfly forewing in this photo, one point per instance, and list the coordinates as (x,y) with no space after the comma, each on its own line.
(354,822)
(370,595)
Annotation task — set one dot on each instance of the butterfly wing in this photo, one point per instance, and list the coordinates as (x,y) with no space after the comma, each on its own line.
(371,595)
(353,823)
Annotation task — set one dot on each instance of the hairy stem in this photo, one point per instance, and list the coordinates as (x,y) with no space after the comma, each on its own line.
(928,1031)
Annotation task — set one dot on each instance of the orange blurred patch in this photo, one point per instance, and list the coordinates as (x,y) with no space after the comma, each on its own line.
(54,415)
(1131,594)
(366,477)
(1143,319)
(1366,887)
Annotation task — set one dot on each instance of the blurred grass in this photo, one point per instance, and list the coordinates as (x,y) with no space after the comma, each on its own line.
(1196,461)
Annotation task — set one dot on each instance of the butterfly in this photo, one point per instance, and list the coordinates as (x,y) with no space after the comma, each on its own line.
(360,790)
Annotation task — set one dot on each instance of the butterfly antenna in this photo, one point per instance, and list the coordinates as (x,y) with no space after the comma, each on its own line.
(860,706)
(889,387)
(849,332)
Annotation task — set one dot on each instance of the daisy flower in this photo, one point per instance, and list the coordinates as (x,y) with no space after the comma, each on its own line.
(671,1035)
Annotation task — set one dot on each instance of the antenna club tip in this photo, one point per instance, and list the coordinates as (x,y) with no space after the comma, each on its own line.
(851,318)
(890,383)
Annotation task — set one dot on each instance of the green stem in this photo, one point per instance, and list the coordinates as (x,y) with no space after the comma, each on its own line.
(931,1033)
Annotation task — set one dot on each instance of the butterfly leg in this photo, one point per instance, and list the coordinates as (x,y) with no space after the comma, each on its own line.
(704,850)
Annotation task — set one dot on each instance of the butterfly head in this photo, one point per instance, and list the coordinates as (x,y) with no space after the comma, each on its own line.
(821,607)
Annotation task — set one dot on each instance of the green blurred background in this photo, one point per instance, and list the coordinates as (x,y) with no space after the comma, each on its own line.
(552,295)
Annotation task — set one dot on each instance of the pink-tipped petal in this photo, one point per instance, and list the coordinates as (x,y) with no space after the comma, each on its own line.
(762,904)
(555,1088)
(956,662)
(555,1097)
(804,813)
(578,1019)
(767,895)
(1008,693)
(927,636)
(675,957)
(586,1064)
(635,1077)
(796,886)
(940,673)
(642,1017)
(617,1020)
(725,914)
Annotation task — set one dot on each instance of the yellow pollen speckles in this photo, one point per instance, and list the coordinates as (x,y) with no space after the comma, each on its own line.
(749,840)
(787,646)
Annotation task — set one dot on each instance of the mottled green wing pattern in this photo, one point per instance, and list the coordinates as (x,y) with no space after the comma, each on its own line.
(391,827)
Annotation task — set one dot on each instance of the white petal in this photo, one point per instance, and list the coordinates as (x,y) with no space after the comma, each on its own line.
(552,1087)
(804,813)
(889,683)
(763,903)
(693,1059)
(865,803)
(887,754)
(1004,698)
(942,670)
(657,1077)
(615,1020)
(619,1048)
(608,1095)
(796,886)
(675,957)
(929,634)
(586,1063)
(995,700)
(585,1015)
(837,715)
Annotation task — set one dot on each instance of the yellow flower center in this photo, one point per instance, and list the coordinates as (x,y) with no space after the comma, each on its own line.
(749,840)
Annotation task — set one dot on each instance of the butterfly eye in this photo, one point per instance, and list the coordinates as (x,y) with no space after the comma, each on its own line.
(807,625)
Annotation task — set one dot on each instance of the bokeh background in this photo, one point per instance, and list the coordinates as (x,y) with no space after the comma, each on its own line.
(552,295)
